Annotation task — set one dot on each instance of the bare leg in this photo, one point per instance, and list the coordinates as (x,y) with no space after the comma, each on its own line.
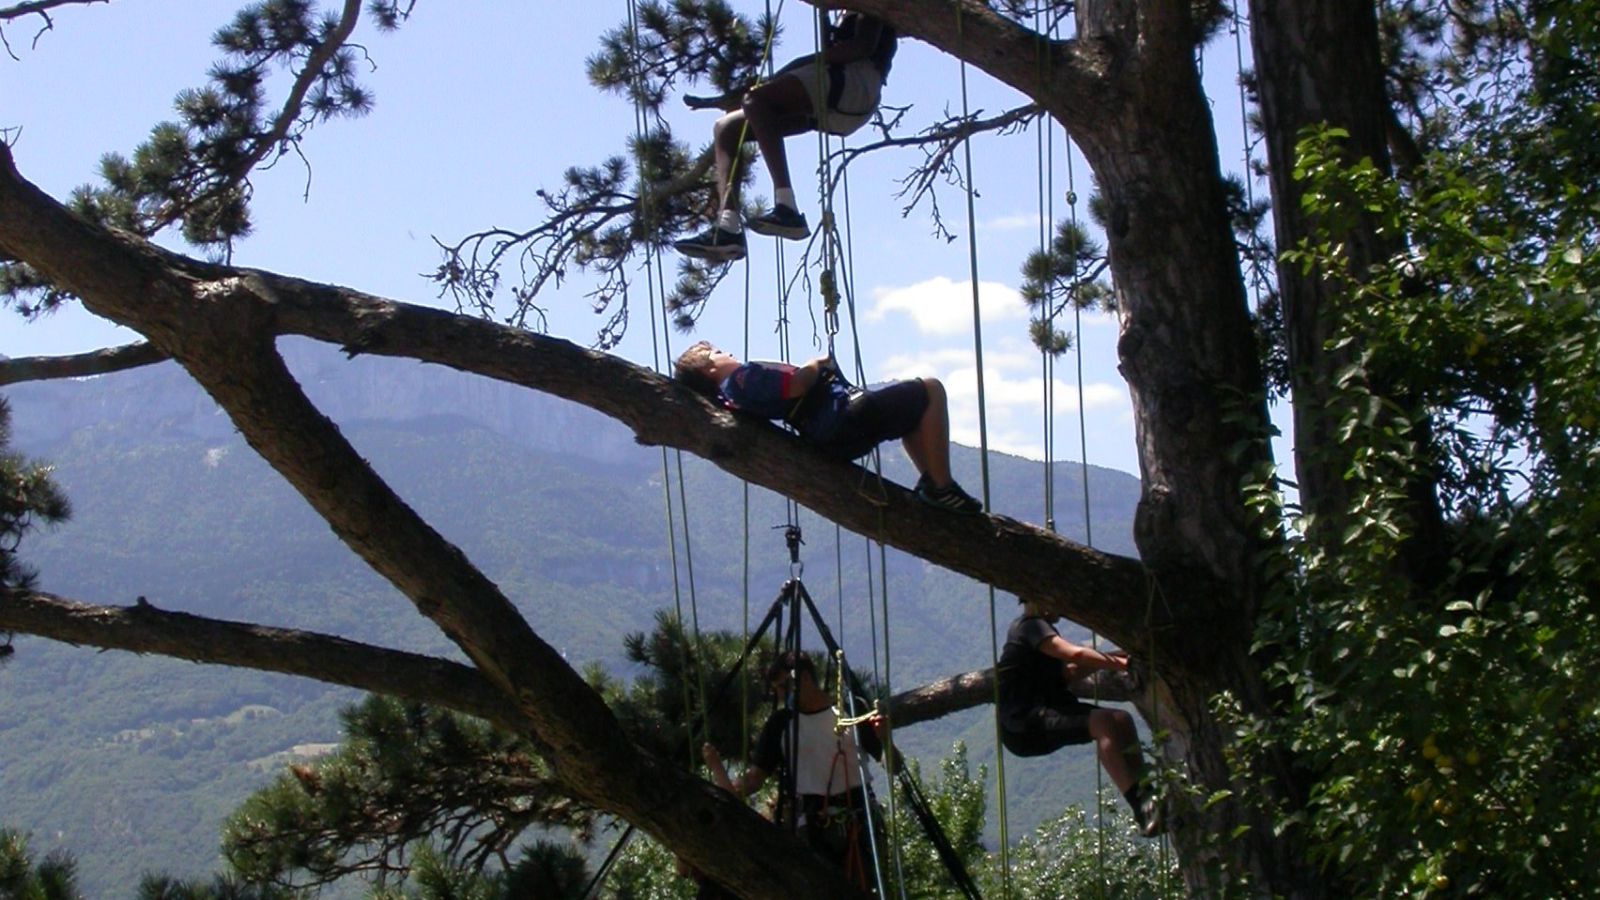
(777,109)
(928,446)
(1114,737)
(726,136)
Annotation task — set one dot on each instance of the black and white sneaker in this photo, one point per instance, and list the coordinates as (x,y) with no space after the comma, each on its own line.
(782,221)
(950,498)
(1148,814)
(715,244)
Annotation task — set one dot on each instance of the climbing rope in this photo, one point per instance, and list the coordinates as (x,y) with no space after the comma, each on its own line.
(983,455)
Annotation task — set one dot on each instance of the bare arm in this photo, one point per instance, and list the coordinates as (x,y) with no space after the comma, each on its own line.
(1078,659)
(719,771)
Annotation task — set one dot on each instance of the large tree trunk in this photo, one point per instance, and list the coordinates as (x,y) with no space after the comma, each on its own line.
(1320,63)
(1128,92)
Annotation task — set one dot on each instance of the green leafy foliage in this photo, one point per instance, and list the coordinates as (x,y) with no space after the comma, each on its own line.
(1066,274)
(1453,727)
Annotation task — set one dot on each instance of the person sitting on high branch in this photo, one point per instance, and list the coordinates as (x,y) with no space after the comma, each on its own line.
(843,421)
(835,91)
(1039,714)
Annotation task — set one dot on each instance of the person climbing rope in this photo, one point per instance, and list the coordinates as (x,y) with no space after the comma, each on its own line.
(827,792)
(1039,714)
(835,91)
(841,420)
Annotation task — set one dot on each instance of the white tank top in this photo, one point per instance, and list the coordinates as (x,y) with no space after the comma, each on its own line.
(828,763)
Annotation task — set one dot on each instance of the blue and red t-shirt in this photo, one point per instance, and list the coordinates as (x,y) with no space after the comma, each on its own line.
(762,388)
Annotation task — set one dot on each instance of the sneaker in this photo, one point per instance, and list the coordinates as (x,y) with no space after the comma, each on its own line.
(715,244)
(950,497)
(1148,814)
(782,222)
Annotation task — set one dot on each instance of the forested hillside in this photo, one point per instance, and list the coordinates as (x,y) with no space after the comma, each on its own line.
(131,762)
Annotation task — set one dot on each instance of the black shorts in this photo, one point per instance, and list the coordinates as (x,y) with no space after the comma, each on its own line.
(1046,729)
(877,415)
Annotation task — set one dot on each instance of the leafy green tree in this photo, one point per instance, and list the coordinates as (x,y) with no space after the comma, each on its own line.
(406,774)
(219,887)
(1454,724)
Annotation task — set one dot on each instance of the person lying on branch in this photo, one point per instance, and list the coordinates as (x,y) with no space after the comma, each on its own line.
(841,420)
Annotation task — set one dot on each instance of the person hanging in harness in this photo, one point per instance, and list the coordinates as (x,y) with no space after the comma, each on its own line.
(1039,714)
(835,91)
(826,792)
(841,420)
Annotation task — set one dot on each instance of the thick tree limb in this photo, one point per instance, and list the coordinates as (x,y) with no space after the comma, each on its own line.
(1100,591)
(1071,79)
(97,362)
(142,628)
(220,324)
(938,699)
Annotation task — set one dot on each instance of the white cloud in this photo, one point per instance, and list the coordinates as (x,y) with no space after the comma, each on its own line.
(1013,394)
(1012,222)
(940,306)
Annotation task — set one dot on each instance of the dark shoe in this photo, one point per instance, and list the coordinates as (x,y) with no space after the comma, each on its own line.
(781,222)
(950,497)
(715,244)
(1148,814)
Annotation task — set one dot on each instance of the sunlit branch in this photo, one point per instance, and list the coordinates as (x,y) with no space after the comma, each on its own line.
(97,362)
(143,628)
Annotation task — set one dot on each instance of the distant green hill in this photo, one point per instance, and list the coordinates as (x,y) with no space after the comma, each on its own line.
(131,762)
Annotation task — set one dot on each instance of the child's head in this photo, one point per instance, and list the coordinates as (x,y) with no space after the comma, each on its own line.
(693,368)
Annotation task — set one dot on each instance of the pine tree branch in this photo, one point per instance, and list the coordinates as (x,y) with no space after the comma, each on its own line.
(97,362)
(294,104)
(40,7)
(143,628)
(945,137)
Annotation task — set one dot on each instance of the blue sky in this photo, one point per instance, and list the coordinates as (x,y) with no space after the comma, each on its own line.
(481,103)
